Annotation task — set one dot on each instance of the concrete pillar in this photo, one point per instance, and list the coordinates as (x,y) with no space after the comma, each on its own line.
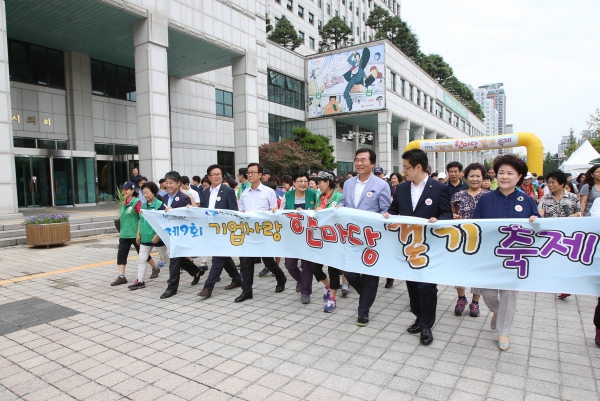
(420,133)
(151,39)
(8,188)
(384,140)
(403,135)
(245,111)
(78,85)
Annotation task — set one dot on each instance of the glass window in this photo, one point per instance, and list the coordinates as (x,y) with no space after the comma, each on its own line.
(364,35)
(395,140)
(358,30)
(281,127)
(126,150)
(344,19)
(363,15)
(351,25)
(290,5)
(300,11)
(402,87)
(311,43)
(319,4)
(301,36)
(344,2)
(418,97)
(350,6)
(46,144)
(103,149)
(337,13)
(341,129)
(411,95)
(285,90)
(328,8)
(224,102)
(276,21)
(112,80)
(311,18)
(35,64)
(394,82)
(24,142)
(343,168)
(227,161)
(320,24)
(357,11)
(61,145)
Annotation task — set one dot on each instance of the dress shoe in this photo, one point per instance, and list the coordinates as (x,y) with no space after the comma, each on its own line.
(244,297)
(280,286)
(426,336)
(196,279)
(168,294)
(206,293)
(389,282)
(233,285)
(415,328)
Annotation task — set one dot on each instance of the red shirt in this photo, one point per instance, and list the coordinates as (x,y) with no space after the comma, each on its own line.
(137,208)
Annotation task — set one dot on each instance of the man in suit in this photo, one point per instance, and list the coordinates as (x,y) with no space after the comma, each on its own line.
(421,196)
(172,200)
(219,196)
(365,192)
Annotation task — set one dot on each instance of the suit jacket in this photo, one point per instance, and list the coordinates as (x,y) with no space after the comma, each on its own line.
(181,200)
(225,199)
(378,201)
(435,193)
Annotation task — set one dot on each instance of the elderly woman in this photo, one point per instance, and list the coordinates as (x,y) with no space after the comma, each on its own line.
(463,205)
(505,203)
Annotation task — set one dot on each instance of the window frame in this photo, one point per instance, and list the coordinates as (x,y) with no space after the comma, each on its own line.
(300,11)
(131,94)
(311,18)
(290,5)
(30,65)
(223,103)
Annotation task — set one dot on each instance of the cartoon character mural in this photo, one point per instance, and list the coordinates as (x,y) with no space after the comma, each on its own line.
(347,81)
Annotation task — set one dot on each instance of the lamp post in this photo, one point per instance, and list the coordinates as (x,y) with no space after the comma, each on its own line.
(358,137)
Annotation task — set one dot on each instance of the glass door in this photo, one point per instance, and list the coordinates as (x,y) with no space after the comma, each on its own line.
(85,180)
(23,173)
(63,184)
(33,181)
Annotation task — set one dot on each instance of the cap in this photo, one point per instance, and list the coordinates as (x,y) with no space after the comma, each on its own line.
(529,176)
(128,185)
(442,175)
(324,175)
(267,171)
(378,170)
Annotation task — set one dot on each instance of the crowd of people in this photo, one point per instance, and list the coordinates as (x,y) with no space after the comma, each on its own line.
(505,190)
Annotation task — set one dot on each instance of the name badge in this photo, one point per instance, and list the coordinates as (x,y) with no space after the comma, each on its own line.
(519,208)
(218,198)
(369,194)
(428,202)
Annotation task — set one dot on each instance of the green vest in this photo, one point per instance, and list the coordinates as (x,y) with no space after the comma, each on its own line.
(147,233)
(310,196)
(129,219)
(335,197)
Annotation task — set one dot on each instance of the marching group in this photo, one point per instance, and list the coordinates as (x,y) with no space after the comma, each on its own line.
(506,190)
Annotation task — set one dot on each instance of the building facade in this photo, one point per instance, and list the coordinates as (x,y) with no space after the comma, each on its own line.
(177,85)
(496,93)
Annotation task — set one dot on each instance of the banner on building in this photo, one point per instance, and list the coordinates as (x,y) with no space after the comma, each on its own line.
(347,81)
(550,255)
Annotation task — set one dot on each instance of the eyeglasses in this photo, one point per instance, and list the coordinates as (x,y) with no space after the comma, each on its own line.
(252,172)
(216,175)
(404,168)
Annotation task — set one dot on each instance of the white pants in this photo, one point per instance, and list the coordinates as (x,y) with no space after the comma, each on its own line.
(504,304)
(144,252)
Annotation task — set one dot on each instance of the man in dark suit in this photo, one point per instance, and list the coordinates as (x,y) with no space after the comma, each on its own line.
(172,200)
(219,196)
(421,196)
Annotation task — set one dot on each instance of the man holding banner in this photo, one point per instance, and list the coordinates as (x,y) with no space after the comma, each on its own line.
(421,196)
(365,192)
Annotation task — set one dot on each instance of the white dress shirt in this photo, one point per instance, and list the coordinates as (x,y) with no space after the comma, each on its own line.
(261,198)
(214,193)
(416,191)
(359,189)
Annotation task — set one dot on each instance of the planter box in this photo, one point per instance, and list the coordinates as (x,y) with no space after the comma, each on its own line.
(48,234)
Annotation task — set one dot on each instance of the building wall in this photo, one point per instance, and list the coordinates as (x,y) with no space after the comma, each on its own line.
(114,121)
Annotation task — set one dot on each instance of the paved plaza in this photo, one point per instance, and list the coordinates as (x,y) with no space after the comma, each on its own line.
(65,333)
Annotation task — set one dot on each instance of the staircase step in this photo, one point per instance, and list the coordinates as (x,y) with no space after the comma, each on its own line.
(12,233)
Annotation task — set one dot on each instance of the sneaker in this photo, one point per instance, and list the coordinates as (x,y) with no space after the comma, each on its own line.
(461,304)
(155,273)
(597,338)
(305,299)
(326,292)
(345,290)
(136,285)
(362,321)
(263,272)
(474,309)
(297,287)
(160,264)
(329,306)
(120,280)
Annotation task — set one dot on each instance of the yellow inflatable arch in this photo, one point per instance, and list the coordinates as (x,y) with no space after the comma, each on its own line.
(535,149)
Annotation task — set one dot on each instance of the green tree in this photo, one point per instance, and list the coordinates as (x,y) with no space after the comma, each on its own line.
(378,18)
(436,67)
(285,34)
(464,94)
(334,34)
(317,144)
(594,125)
(286,156)
(550,163)
(572,144)
(268,23)
(403,37)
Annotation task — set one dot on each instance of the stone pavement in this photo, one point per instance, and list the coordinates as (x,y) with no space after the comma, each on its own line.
(79,338)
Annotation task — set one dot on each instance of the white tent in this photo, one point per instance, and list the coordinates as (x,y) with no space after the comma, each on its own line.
(579,161)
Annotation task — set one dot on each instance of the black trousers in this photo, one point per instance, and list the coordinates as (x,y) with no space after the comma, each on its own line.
(366,286)
(423,301)
(334,275)
(218,264)
(597,315)
(174,273)
(248,272)
(124,247)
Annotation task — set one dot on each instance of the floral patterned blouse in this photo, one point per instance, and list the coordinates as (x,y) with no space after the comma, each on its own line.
(552,208)
(465,204)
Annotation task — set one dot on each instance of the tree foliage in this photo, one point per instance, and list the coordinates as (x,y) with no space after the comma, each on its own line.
(317,144)
(285,34)
(464,94)
(286,156)
(571,144)
(334,34)
(269,27)
(550,163)
(436,67)
(377,21)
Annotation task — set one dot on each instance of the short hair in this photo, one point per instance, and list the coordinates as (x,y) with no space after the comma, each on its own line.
(161,181)
(270,184)
(475,166)
(341,182)
(287,179)
(185,180)
(300,173)
(212,167)
(454,164)
(135,168)
(196,178)
(243,171)
(433,175)
(512,161)
(416,157)
(580,177)
(490,168)
(274,179)
(151,186)
(259,166)
(558,175)
(352,173)
(571,175)
(372,155)
(173,175)
(541,177)
(142,178)
(487,177)
(232,183)
(205,180)
(398,175)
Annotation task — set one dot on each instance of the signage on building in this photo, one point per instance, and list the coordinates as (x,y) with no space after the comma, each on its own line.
(347,82)
(488,142)
(452,103)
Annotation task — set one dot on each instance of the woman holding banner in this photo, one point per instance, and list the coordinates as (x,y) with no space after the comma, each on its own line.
(505,203)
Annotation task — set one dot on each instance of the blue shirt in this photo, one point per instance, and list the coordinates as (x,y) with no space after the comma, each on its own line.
(161,193)
(496,205)
(171,198)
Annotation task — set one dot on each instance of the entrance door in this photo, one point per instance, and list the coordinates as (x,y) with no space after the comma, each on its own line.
(63,191)
(33,181)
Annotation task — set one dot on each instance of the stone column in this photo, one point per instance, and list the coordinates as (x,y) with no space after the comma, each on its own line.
(384,140)
(245,111)
(420,133)
(151,39)
(403,135)
(79,100)
(432,156)
(8,188)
